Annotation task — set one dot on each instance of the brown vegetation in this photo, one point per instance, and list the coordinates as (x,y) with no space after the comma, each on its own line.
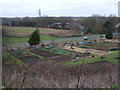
(49,75)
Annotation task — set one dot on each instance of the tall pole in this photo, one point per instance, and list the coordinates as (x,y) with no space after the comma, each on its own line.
(39,21)
(39,13)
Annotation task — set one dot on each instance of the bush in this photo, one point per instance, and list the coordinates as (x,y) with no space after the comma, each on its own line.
(115,87)
(109,35)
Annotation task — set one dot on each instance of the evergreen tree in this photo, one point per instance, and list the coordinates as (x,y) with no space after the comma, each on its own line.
(34,38)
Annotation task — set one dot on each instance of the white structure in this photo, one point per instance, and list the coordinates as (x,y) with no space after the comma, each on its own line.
(119,9)
(118,25)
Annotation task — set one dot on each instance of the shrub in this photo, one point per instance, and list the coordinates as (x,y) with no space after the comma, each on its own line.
(109,35)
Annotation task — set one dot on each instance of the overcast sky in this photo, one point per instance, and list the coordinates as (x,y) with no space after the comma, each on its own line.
(22,8)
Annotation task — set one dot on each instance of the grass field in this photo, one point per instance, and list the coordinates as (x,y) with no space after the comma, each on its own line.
(10,40)
(25,29)
(21,34)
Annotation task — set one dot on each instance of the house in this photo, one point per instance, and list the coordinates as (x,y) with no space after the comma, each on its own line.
(59,25)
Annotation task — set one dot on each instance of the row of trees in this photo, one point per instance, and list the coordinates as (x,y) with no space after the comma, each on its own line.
(33,21)
(93,24)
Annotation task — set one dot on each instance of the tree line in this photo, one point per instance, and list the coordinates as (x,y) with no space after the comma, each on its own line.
(93,24)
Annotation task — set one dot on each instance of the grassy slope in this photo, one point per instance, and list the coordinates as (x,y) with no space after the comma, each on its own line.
(23,29)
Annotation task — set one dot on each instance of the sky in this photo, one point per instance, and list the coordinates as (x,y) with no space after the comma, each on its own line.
(76,8)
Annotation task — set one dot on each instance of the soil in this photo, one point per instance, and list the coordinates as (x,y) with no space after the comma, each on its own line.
(61,58)
(45,54)
(52,56)
(118,58)
(29,59)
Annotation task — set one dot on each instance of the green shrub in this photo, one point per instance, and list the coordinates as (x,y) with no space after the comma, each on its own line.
(109,35)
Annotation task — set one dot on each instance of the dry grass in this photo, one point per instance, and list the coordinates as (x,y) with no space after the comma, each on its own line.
(26,31)
(92,51)
(113,40)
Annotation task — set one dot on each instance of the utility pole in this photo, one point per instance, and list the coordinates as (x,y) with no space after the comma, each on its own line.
(39,16)
(39,12)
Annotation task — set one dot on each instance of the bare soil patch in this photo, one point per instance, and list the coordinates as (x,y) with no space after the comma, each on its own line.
(118,58)
(61,58)
(29,59)
(44,53)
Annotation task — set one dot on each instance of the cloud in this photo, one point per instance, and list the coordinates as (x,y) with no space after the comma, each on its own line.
(58,7)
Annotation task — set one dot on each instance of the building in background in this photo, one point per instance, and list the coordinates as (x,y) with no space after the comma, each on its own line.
(119,9)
